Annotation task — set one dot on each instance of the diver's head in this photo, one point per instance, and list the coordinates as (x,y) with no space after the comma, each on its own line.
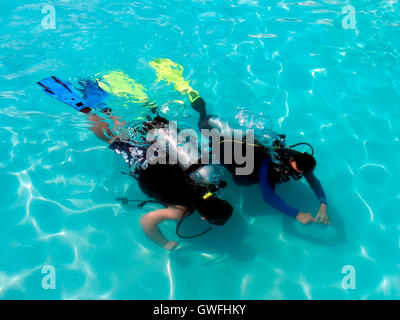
(215,210)
(302,162)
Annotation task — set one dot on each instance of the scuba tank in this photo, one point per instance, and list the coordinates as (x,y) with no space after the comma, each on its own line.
(221,124)
(169,142)
(206,175)
(215,210)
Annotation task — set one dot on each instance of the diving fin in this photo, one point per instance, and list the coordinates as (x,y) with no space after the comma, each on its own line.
(61,90)
(172,72)
(94,96)
(121,85)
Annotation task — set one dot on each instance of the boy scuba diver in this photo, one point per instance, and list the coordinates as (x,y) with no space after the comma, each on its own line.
(272,164)
(173,185)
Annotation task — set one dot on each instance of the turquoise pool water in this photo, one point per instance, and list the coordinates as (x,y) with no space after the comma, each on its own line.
(296,63)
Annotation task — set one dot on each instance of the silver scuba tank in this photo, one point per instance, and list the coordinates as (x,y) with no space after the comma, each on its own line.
(180,149)
(221,124)
(207,175)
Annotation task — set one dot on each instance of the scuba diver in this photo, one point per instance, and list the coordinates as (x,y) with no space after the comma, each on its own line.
(181,188)
(273,162)
(272,165)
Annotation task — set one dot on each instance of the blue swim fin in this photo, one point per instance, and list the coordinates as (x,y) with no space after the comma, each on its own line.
(62,91)
(94,96)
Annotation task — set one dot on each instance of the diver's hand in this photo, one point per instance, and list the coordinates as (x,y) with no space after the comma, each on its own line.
(305,217)
(322,216)
(171,245)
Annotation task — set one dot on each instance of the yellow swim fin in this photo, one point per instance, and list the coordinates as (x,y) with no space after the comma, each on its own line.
(172,72)
(121,85)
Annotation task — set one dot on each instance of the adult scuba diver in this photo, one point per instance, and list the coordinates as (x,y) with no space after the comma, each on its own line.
(181,188)
(284,165)
(273,164)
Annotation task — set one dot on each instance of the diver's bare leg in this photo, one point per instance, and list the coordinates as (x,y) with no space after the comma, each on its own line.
(101,128)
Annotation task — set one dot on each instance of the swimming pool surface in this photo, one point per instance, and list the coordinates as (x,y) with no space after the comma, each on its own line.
(296,64)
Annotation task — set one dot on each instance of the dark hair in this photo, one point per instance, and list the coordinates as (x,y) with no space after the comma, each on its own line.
(305,162)
(215,210)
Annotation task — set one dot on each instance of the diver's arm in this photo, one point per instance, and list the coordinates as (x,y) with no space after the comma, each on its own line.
(150,221)
(276,201)
(269,194)
(322,215)
(315,184)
